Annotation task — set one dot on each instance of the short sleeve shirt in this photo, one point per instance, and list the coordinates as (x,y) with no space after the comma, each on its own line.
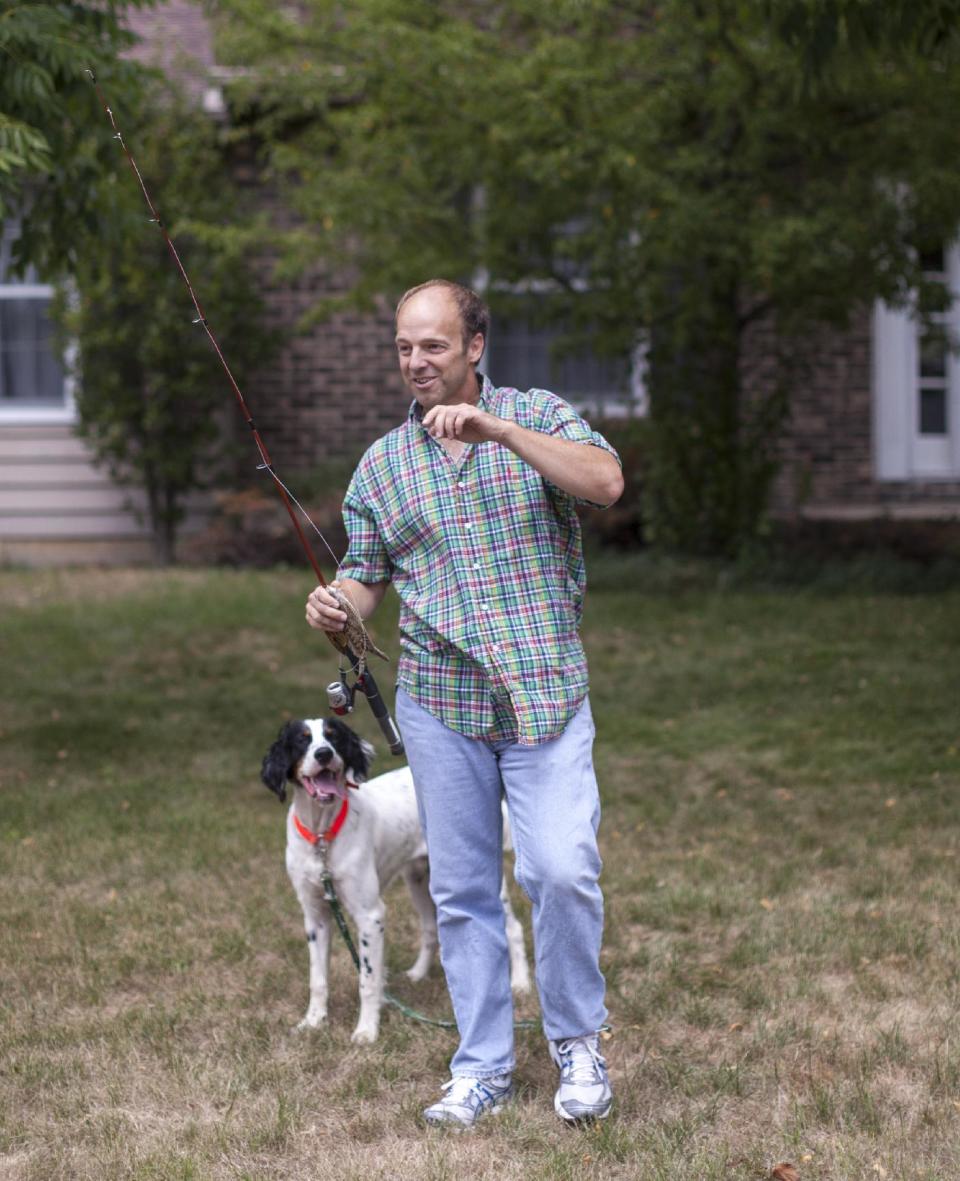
(486,557)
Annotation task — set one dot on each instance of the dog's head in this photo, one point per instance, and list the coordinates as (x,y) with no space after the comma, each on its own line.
(321,755)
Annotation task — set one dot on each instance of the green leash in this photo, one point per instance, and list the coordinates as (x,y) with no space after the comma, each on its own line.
(330,895)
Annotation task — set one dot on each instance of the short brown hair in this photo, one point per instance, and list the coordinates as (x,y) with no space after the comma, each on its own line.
(474,313)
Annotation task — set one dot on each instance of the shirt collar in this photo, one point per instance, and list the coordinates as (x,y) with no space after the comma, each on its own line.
(415,413)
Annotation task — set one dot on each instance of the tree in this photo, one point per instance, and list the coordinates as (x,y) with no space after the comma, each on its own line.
(150,384)
(663,169)
(54,143)
(819,27)
(150,387)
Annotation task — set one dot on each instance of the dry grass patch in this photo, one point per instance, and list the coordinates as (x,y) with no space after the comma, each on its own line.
(781,866)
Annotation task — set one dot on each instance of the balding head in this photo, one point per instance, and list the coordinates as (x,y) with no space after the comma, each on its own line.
(473,313)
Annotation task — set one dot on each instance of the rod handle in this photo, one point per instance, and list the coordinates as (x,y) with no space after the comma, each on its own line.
(368,687)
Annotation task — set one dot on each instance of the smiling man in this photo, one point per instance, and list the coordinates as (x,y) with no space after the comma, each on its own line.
(468,508)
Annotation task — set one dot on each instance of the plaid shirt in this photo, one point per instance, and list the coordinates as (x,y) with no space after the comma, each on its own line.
(487,560)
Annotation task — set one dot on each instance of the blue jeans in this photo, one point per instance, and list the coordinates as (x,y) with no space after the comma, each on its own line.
(554,806)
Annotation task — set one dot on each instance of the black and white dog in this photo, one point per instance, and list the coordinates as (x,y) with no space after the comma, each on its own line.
(365,838)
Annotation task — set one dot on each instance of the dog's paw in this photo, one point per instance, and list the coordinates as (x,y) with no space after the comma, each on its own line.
(311,1021)
(364,1035)
(418,972)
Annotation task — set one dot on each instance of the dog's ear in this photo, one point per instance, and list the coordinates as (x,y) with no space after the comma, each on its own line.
(281,759)
(356,752)
(361,766)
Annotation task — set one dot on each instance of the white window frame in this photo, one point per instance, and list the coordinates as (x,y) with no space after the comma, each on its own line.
(900,451)
(23,412)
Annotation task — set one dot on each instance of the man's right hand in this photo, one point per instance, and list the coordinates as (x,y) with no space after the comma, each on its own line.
(325,614)
(323,611)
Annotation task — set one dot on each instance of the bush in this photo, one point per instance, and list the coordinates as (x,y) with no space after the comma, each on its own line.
(621,525)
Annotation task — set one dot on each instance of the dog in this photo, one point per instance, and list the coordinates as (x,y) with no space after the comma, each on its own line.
(364,833)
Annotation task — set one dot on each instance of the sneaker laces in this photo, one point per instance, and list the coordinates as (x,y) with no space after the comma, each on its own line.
(461,1088)
(581,1060)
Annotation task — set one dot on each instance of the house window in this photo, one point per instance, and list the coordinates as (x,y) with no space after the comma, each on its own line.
(933,362)
(916,385)
(32,380)
(523,354)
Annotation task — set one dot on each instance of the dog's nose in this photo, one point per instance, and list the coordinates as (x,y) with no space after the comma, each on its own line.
(323,756)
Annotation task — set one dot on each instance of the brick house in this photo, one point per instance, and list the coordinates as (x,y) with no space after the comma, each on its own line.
(875,434)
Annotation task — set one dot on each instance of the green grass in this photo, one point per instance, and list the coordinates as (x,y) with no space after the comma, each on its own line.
(780,769)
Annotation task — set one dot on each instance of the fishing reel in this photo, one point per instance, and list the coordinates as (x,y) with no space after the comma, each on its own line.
(341,694)
(340,697)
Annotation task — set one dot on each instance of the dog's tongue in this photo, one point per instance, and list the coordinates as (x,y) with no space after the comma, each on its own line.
(324,785)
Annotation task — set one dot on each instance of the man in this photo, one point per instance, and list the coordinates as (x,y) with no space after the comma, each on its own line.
(468,509)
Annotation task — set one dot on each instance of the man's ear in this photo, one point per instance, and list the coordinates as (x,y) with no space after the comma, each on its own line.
(476,348)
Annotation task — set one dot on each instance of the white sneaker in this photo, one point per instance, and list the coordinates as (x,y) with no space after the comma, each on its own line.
(467,1099)
(584,1092)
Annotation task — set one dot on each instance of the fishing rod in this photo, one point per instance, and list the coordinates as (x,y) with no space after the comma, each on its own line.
(340,693)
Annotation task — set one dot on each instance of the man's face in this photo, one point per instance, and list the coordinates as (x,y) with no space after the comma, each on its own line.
(435,364)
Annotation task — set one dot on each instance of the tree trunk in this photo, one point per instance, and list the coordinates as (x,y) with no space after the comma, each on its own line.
(161,506)
(709,474)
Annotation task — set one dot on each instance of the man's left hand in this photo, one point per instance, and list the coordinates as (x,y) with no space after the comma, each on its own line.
(586,472)
(465,422)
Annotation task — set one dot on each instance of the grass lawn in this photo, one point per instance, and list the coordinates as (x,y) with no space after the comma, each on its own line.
(781,840)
